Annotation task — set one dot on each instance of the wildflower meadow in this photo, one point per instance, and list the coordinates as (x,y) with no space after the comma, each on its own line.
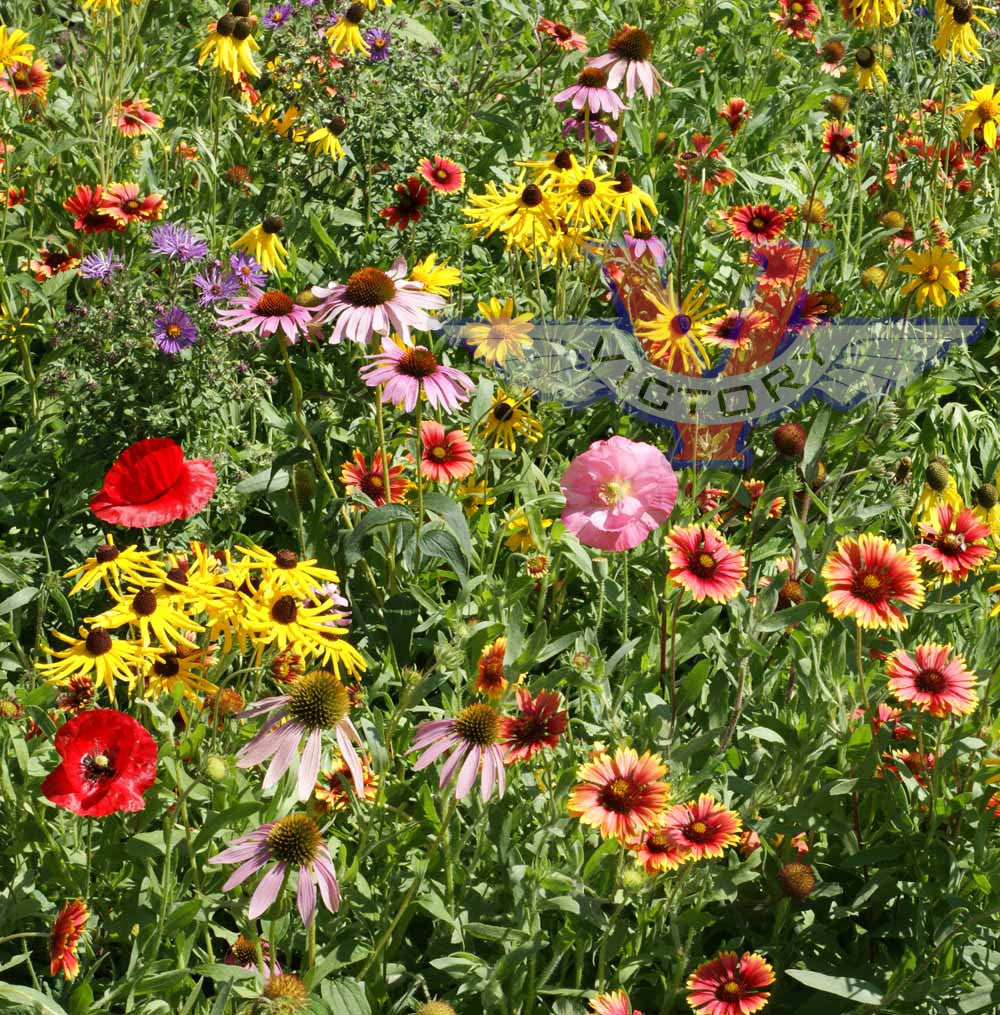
(364,650)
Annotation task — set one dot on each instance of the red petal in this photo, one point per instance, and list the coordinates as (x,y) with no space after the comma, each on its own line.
(144,471)
(191,491)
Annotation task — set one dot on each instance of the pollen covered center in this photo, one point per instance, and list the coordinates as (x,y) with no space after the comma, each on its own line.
(274,304)
(478,725)
(369,287)
(294,840)
(418,363)
(620,795)
(319,700)
(930,682)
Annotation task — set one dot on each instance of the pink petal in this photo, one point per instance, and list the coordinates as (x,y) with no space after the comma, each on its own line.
(467,776)
(327,877)
(350,755)
(247,869)
(306,896)
(290,734)
(267,891)
(309,764)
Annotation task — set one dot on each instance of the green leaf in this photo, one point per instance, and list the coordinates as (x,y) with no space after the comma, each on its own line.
(268,480)
(33,999)
(414,30)
(377,517)
(848,987)
(441,543)
(814,442)
(346,997)
(20,598)
(454,518)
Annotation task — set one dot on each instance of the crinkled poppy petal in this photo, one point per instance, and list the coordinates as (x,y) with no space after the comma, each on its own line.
(193,489)
(144,471)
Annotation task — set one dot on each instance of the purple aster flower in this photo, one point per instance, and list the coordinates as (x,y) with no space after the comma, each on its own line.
(174,331)
(176,242)
(215,285)
(308,3)
(101,265)
(277,15)
(250,274)
(599,131)
(475,736)
(328,594)
(378,41)
(644,242)
(316,702)
(294,841)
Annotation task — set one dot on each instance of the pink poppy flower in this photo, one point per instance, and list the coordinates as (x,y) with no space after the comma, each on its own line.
(617,492)
(375,302)
(409,370)
(265,313)
(296,842)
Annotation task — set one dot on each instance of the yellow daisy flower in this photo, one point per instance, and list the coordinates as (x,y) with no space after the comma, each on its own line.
(520,539)
(982,110)
(505,335)
(632,203)
(13,47)
(345,36)
(936,270)
(111,565)
(522,213)
(287,573)
(509,419)
(263,243)
(956,36)
(551,168)
(585,198)
(148,613)
(867,69)
(673,339)
(475,494)
(326,140)
(98,655)
(435,278)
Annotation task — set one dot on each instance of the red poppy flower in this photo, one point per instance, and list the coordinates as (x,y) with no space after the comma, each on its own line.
(152,484)
(108,762)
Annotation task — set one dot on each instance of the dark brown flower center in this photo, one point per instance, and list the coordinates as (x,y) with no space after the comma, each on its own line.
(418,362)
(870,586)
(697,831)
(503,411)
(561,31)
(319,700)
(106,553)
(624,184)
(144,603)
(478,725)
(178,575)
(98,642)
(225,25)
(531,196)
(593,77)
(242,29)
(286,560)
(369,287)
(729,992)
(168,665)
(631,44)
(833,51)
(355,13)
(294,840)
(274,304)
(563,159)
(865,57)
(273,224)
(586,188)
(757,224)
(284,610)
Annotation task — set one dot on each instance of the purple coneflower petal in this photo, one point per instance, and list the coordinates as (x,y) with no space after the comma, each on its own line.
(309,764)
(467,776)
(262,706)
(267,891)
(435,751)
(501,772)
(489,773)
(450,767)
(306,895)
(263,746)
(239,851)
(247,869)
(430,730)
(327,877)
(350,755)
(290,734)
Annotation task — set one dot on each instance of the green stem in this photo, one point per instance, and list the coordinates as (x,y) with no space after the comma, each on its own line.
(300,419)
(861,676)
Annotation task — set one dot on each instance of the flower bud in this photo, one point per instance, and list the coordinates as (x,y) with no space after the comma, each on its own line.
(790,439)
(797,881)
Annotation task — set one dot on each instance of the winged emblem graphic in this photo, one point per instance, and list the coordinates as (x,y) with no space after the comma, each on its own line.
(783,349)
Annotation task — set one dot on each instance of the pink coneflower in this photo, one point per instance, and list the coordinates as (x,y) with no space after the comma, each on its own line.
(730,985)
(591,91)
(474,736)
(705,564)
(540,723)
(293,842)
(756,222)
(933,678)
(831,54)
(242,952)
(442,174)
(617,492)
(735,329)
(615,1003)
(600,131)
(736,113)
(375,302)
(643,242)
(864,575)
(621,795)
(134,117)
(564,36)
(955,545)
(782,265)
(266,312)
(629,50)
(409,370)
(316,702)
(657,852)
(702,826)
(445,455)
